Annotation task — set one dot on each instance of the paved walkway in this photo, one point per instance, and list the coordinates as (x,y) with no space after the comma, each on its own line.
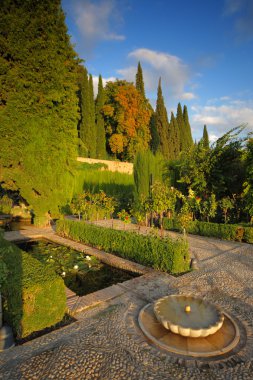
(105,342)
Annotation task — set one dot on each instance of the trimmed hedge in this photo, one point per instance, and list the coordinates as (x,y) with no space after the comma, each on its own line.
(222,231)
(34,295)
(163,254)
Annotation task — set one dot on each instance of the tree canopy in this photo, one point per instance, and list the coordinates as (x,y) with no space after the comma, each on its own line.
(38,103)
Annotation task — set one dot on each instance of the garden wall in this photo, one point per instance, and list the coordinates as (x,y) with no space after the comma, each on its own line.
(113,166)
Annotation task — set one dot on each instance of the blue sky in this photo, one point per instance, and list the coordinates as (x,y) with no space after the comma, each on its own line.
(202,49)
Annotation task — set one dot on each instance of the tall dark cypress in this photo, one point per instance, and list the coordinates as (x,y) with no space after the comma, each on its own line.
(180,123)
(93,132)
(155,140)
(161,122)
(187,128)
(84,128)
(101,150)
(174,137)
(139,82)
(205,138)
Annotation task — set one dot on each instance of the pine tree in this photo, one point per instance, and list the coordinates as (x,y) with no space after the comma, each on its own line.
(161,122)
(187,129)
(93,132)
(139,83)
(39,104)
(205,138)
(101,151)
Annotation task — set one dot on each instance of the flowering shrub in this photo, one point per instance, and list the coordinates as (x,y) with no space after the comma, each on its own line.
(124,216)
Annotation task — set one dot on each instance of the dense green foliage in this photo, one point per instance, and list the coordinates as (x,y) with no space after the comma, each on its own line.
(205,138)
(221,231)
(101,149)
(161,123)
(114,184)
(34,296)
(139,83)
(164,254)
(216,175)
(147,169)
(38,104)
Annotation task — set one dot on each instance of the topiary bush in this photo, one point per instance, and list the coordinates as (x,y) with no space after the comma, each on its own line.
(164,254)
(34,295)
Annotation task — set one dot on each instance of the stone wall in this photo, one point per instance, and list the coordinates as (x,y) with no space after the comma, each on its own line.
(113,166)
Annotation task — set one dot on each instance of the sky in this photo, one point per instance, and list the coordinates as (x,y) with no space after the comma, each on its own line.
(201,49)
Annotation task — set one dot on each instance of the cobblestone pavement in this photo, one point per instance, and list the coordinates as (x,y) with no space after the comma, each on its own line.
(106,343)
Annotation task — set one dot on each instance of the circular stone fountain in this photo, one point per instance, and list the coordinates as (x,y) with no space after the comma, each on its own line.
(188,316)
(189,326)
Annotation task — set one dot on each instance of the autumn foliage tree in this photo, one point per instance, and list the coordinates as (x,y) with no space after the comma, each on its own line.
(127,117)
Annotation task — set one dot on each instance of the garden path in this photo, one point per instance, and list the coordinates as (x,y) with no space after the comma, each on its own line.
(105,342)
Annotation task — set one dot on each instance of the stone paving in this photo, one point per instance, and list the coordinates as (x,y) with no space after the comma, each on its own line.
(106,343)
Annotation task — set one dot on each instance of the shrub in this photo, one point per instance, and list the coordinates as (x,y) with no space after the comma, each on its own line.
(248,235)
(163,254)
(34,296)
(220,231)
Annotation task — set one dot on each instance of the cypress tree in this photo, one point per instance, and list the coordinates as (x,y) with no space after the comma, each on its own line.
(39,104)
(155,141)
(101,151)
(92,144)
(161,122)
(174,137)
(187,129)
(180,123)
(139,83)
(84,129)
(205,138)
(145,164)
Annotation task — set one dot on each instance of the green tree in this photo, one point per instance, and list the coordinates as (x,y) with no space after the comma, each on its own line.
(155,140)
(84,126)
(39,104)
(139,82)
(93,141)
(187,135)
(161,122)
(205,138)
(174,138)
(101,150)
(147,169)
(248,184)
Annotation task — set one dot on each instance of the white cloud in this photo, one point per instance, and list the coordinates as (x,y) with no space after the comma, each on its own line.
(94,20)
(174,72)
(188,96)
(104,80)
(222,117)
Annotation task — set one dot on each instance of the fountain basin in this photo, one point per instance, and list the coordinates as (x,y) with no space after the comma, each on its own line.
(188,316)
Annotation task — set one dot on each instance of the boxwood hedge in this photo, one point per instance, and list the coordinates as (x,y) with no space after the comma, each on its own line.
(34,295)
(222,231)
(163,254)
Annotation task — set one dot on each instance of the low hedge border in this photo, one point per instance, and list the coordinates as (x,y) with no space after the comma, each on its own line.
(221,231)
(163,254)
